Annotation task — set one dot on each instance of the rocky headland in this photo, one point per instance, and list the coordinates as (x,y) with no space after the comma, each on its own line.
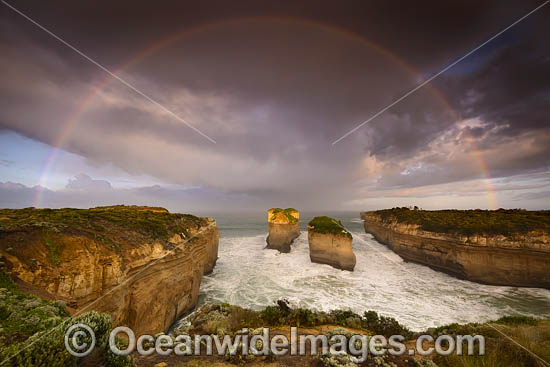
(143,266)
(284,228)
(503,247)
(330,243)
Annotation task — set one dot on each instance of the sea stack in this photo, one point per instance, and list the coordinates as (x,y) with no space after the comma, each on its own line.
(330,243)
(284,227)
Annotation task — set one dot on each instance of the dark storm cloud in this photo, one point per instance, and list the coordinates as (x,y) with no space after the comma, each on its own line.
(275,93)
(512,89)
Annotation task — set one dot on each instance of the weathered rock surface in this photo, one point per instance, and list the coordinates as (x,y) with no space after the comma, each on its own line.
(284,228)
(521,260)
(330,243)
(143,268)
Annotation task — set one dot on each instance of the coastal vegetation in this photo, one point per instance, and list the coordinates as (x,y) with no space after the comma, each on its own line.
(501,337)
(225,319)
(32,330)
(110,225)
(78,255)
(328,225)
(502,247)
(470,222)
(230,319)
(284,228)
(286,212)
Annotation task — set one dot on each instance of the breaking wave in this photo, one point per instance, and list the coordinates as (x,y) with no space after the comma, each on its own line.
(248,275)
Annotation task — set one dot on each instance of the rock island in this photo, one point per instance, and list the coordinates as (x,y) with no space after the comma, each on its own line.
(284,228)
(330,243)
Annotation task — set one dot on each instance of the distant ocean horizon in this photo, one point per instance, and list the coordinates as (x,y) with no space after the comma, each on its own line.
(250,276)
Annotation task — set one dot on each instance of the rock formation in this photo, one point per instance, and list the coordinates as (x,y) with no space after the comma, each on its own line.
(330,243)
(284,227)
(141,265)
(521,260)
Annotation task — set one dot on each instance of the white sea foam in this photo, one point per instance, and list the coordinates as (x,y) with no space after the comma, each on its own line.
(248,275)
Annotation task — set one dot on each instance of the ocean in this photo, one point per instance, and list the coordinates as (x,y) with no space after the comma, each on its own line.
(250,276)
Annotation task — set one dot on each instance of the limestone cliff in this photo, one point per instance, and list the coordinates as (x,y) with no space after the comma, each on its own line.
(330,243)
(521,260)
(284,228)
(141,265)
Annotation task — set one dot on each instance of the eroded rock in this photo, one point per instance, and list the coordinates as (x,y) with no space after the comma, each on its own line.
(520,260)
(330,243)
(142,266)
(284,228)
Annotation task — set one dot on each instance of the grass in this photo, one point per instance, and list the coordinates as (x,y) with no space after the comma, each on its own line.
(517,320)
(110,225)
(328,225)
(471,222)
(532,334)
(287,212)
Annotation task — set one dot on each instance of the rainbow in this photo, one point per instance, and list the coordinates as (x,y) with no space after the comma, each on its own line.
(82,106)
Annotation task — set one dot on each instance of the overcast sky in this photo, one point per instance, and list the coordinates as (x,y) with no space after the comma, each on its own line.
(274,84)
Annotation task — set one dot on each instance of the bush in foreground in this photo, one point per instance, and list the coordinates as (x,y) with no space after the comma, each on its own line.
(32,330)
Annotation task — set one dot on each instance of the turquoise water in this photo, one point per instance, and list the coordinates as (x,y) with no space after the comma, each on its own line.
(248,275)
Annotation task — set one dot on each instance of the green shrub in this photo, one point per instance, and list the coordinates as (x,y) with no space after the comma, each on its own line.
(47,348)
(32,330)
(470,222)
(324,224)
(340,317)
(301,317)
(287,212)
(7,282)
(53,245)
(383,325)
(516,320)
(242,317)
(272,315)
(283,314)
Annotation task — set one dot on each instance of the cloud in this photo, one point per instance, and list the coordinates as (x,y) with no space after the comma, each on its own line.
(16,195)
(539,195)
(275,93)
(195,200)
(473,193)
(85,182)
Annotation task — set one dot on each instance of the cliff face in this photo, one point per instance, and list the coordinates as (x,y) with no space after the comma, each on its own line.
(284,228)
(330,243)
(142,267)
(519,260)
